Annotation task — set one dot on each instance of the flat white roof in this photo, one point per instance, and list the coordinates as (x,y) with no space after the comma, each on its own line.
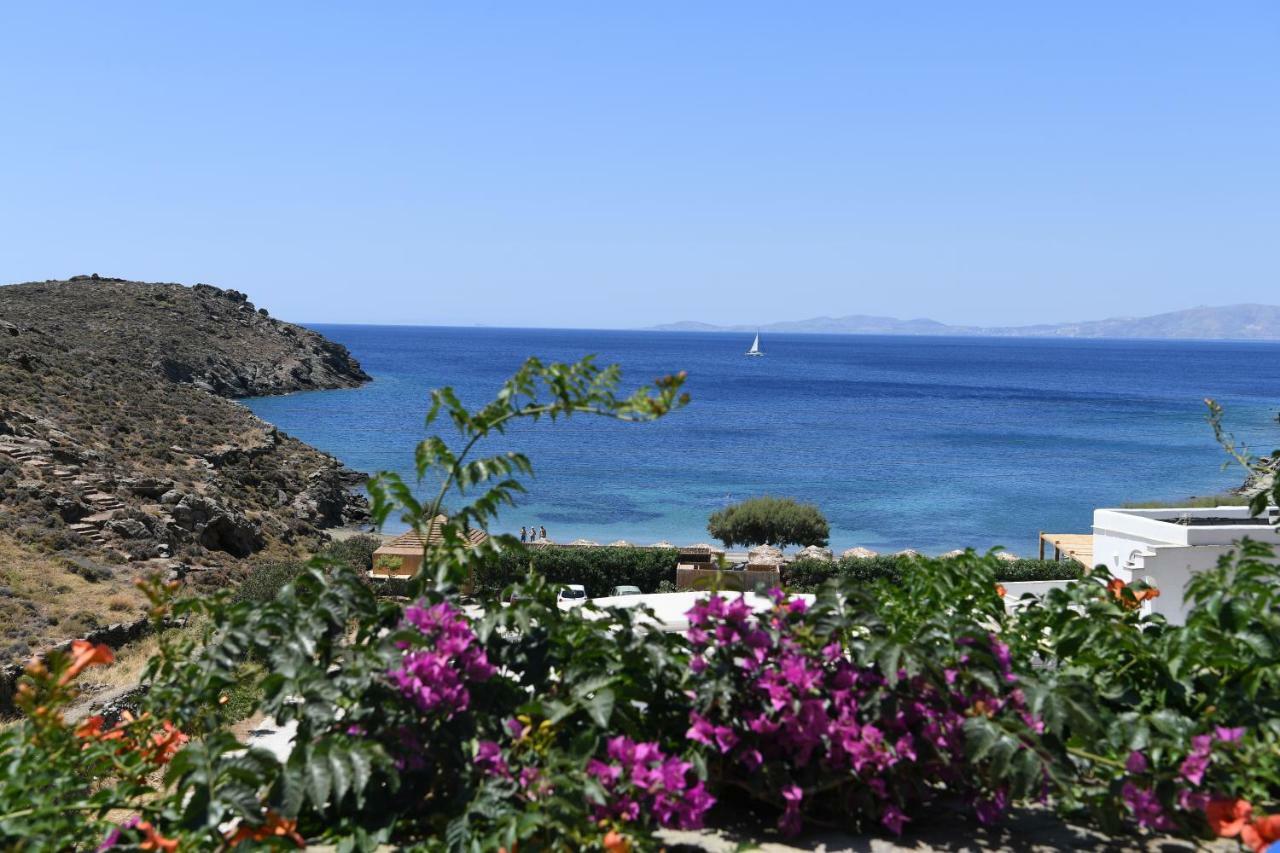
(1220,525)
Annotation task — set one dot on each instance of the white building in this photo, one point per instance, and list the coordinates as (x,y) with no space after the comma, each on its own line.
(1163,547)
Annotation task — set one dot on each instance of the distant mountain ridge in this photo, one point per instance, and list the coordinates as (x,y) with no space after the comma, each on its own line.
(1247,322)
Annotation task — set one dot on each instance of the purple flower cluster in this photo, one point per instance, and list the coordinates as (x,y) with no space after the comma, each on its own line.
(491,761)
(437,675)
(802,706)
(1145,805)
(1139,794)
(643,780)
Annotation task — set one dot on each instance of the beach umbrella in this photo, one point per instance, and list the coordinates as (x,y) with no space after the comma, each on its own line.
(765,555)
(662,544)
(621,543)
(1007,557)
(859,553)
(956,553)
(815,552)
(907,552)
(585,543)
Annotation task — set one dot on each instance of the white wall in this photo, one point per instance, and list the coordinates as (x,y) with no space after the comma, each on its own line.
(1140,545)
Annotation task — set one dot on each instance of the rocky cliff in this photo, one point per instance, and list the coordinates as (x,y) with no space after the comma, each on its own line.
(119,453)
(203,336)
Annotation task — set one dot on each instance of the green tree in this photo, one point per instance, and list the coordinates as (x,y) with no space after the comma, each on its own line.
(769,520)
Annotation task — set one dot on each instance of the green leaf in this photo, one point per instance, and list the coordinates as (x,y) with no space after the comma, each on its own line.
(600,706)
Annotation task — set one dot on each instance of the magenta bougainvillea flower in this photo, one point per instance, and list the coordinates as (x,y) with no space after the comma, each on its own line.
(641,779)
(801,705)
(436,677)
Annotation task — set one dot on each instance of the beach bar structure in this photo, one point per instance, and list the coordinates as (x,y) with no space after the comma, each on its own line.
(402,556)
(1073,546)
(698,567)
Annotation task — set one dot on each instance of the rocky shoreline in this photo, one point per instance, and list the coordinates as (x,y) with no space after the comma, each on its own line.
(121,452)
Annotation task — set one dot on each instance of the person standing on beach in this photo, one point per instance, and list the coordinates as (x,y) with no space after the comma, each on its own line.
(544,532)
(523,537)
(533,533)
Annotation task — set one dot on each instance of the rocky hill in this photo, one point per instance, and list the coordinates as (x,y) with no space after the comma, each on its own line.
(120,454)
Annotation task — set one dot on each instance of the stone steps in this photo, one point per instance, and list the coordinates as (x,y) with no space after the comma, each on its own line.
(89,531)
(104,502)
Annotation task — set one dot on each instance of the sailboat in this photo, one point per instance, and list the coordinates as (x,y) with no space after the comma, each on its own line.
(755,346)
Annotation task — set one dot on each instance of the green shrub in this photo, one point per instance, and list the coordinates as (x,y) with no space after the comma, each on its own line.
(598,569)
(356,552)
(808,575)
(769,520)
(1039,570)
(265,581)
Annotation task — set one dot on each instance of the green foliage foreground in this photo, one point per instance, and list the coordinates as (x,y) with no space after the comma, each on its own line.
(527,726)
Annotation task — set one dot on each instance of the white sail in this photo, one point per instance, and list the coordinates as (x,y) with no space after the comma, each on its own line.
(755,346)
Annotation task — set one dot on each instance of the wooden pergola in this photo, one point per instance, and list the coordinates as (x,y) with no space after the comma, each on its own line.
(1073,546)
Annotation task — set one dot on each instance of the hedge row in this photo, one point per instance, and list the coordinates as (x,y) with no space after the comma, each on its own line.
(808,575)
(598,569)
(601,569)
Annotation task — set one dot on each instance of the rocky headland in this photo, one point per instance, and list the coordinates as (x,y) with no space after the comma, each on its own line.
(121,454)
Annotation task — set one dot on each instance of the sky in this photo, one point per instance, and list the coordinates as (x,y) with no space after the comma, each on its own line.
(619,165)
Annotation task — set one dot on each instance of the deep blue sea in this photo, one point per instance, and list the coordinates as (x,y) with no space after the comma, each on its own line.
(930,443)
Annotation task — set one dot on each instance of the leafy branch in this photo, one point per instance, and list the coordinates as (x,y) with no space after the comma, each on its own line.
(535,392)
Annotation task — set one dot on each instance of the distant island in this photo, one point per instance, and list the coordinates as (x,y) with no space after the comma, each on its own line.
(1229,322)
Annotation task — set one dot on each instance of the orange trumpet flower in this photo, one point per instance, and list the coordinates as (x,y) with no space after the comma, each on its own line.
(85,654)
(272,826)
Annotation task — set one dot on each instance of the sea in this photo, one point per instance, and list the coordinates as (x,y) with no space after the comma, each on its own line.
(903,442)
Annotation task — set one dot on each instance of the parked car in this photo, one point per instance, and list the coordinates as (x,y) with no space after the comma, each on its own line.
(625,590)
(571,595)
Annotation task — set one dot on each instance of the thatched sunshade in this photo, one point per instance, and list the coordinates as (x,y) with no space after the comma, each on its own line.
(859,553)
(703,546)
(950,554)
(815,552)
(1007,557)
(764,555)
(621,543)
(907,552)
(585,543)
(662,544)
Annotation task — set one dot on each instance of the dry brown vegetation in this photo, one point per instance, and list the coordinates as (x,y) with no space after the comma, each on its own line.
(44,598)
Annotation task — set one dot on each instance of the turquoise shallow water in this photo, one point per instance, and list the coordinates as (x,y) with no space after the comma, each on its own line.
(931,443)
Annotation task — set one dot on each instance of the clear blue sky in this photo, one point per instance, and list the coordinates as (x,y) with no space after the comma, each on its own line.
(617,165)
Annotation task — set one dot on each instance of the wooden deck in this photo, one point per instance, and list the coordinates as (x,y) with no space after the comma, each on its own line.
(1073,546)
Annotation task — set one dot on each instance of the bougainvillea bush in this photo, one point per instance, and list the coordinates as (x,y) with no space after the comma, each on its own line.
(870,705)
(437,722)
